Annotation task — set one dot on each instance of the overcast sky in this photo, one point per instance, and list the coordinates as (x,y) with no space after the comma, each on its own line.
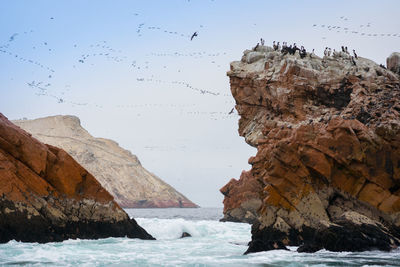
(129,71)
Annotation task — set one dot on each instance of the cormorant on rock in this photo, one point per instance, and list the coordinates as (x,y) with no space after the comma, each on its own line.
(353,61)
(285,48)
(274,46)
(257,45)
(262,41)
(303,52)
(329,52)
(355,54)
(291,50)
(346,51)
(382,66)
(193,35)
(343,49)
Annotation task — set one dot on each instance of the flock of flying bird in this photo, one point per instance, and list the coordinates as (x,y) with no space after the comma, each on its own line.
(105,51)
(362,30)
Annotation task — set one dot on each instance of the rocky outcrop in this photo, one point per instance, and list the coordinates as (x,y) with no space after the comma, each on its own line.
(246,200)
(393,62)
(327,169)
(117,169)
(45,195)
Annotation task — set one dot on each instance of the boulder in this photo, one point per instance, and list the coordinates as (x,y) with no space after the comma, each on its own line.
(327,170)
(185,234)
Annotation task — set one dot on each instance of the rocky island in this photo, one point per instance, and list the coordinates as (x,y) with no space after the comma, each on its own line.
(117,169)
(327,169)
(45,195)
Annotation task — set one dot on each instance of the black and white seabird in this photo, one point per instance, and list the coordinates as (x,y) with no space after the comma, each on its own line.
(193,35)
(257,45)
(353,61)
(355,54)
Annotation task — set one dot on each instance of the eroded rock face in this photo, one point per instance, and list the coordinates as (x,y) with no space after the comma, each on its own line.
(45,195)
(327,169)
(117,169)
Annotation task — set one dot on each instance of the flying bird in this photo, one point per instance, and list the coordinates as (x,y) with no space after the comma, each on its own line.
(193,35)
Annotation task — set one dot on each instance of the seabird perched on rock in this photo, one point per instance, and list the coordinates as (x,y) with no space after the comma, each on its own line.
(303,52)
(326,51)
(279,46)
(274,46)
(193,35)
(346,51)
(343,49)
(329,52)
(355,54)
(257,45)
(284,45)
(262,41)
(353,61)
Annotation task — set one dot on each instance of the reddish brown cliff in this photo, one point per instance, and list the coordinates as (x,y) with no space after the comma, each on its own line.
(327,169)
(48,196)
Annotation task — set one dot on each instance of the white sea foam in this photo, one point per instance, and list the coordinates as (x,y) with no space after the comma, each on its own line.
(212,243)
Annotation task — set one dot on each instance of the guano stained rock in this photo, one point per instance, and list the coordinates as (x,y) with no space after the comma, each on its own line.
(327,169)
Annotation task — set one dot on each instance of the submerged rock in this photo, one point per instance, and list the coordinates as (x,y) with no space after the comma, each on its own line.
(45,195)
(135,186)
(185,234)
(327,169)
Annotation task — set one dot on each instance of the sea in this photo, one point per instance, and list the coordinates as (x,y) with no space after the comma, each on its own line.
(212,243)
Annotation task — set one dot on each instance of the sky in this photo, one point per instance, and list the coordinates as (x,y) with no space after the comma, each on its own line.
(130,72)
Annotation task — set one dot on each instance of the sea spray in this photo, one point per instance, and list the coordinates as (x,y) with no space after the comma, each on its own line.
(213,243)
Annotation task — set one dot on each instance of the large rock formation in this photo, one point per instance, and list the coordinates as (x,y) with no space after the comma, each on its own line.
(117,169)
(327,169)
(45,195)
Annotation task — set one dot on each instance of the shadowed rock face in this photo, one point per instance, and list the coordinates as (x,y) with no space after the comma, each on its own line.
(117,169)
(327,169)
(45,195)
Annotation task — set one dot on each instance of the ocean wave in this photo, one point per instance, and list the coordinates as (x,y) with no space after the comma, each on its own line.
(167,229)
